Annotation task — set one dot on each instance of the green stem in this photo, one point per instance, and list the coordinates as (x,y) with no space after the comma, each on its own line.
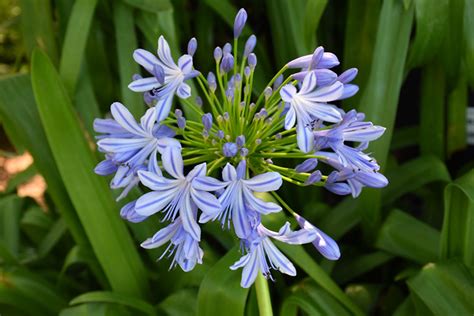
(263,296)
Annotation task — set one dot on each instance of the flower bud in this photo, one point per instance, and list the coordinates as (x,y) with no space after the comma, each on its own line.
(307,165)
(239,22)
(192,46)
(207,121)
(211,81)
(217,54)
(252,60)
(181,122)
(230,149)
(240,140)
(227,63)
(250,45)
(227,49)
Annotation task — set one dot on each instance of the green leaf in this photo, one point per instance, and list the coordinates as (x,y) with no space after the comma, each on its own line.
(405,236)
(357,266)
(173,304)
(457,235)
(469,40)
(413,175)
(35,292)
(457,111)
(311,299)
(54,235)
(37,27)
(286,22)
(152,6)
(313,13)
(359,40)
(405,137)
(298,255)
(432,114)
(75,42)
(115,298)
(86,103)
(126,44)
(10,212)
(96,309)
(342,218)
(25,119)
(432,21)
(223,286)
(445,288)
(383,87)
(89,193)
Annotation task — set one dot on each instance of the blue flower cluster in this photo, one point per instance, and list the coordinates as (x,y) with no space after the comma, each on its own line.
(228,166)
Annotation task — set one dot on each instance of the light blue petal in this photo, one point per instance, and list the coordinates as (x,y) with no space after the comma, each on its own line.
(206,202)
(258,205)
(287,92)
(265,182)
(164,53)
(156,182)
(326,94)
(290,118)
(208,184)
(185,63)
(162,236)
(309,83)
(304,138)
(152,202)
(229,173)
(250,271)
(144,84)
(148,121)
(146,59)
(125,119)
(184,91)
(278,260)
(173,162)
(188,216)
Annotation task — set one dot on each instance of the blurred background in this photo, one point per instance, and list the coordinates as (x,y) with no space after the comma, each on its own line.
(406,250)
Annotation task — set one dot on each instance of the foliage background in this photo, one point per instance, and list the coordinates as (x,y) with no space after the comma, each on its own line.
(406,250)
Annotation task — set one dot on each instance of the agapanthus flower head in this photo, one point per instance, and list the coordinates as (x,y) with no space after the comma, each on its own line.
(229,164)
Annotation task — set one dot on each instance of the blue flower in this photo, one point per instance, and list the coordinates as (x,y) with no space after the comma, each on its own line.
(238,199)
(351,129)
(323,243)
(129,146)
(177,197)
(187,252)
(262,255)
(309,104)
(168,77)
(350,180)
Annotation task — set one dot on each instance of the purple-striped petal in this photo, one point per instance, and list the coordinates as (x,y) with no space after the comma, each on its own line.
(146,59)
(290,118)
(152,202)
(265,182)
(164,53)
(304,138)
(206,202)
(144,84)
(208,184)
(287,92)
(125,119)
(173,162)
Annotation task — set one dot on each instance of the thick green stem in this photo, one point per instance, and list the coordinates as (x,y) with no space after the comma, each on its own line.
(263,296)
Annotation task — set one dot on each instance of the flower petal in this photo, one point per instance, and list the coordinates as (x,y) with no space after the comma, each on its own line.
(250,271)
(185,63)
(163,106)
(184,91)
(290,118)
(144,84)
(125,119)
(162,236)
(164,53)
(265,182)
(156,182)
(148,120)
(206,202)
(327,93)
(117,145)
(229,173)
(287,92)
(304,138)
(208,184)
(278,259)
(152,202)
(173,162)
(146,59)
(188,214)
(258,205)
(309,83)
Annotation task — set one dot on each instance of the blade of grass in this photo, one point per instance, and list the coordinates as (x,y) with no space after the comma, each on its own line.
(152,6)
(457,235)
(21,111)
(298,255)
(413,175)
(432,114)
(114,298)
(343,217)
(75,42)
(223,286)
(457,111)
(313,12)
(405,137)
(10,211)
(37,27)
(354,267)
(431,27)
(361,29)
(126,43)
(445,288)
(469,40)
(405,236)
(383,87)
(89,193)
